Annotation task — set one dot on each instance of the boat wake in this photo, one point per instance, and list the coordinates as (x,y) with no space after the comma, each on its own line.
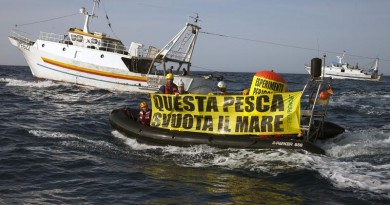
(337,167)
(367,177)
(358,143)
(23,83)
(75,142)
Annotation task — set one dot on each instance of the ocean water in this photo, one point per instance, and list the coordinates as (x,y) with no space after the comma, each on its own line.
(57,147)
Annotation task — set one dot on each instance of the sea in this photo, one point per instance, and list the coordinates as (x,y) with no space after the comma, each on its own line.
(57,147)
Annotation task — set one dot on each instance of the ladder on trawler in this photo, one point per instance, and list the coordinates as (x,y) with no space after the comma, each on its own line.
(315,100)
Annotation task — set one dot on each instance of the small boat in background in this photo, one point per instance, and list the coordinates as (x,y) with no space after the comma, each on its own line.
(343,70)
(95,59)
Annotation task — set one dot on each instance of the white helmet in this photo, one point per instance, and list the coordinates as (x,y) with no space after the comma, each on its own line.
(181,83)
(221,84)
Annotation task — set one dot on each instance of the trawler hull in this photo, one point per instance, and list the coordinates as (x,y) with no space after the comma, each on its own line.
(107,70)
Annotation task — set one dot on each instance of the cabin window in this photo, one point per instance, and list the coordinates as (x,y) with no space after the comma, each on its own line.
(94,41)
(73,37)
(80,38)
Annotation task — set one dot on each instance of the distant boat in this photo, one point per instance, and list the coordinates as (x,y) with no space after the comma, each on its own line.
(94,59)
(342,70)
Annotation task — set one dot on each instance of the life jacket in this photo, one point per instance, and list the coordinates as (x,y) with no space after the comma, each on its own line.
(144,117)
(170,89)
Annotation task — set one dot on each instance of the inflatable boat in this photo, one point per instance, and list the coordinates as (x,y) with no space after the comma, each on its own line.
(124,120)
(262,119)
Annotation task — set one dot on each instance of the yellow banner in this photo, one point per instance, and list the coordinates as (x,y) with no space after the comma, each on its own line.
(265,114)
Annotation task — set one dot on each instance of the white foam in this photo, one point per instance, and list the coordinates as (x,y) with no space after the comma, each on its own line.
(358,143)
(204,156)
(343,174)
(132,142)
(23,83)
(355,175)
(189,151)
(72,140)
(386,127)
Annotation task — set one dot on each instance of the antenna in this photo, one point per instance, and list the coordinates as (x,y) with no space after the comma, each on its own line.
(196,19)
(318,47)
(88,16)
(95,3)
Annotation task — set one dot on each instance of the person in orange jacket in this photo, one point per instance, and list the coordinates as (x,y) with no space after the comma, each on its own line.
(144,114)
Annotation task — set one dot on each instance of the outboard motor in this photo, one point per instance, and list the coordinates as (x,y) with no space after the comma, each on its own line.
(316,64)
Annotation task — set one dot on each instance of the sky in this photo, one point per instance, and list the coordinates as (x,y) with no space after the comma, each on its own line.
(253,35)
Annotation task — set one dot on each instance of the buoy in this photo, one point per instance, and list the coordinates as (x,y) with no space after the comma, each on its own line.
(324,95)
(267,82)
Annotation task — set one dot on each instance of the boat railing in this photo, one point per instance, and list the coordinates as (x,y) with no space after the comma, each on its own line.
(21,36)
(112,47)
(156,80)
(58,38)
(151,52)
(176,55)
(109,46)
(143,52)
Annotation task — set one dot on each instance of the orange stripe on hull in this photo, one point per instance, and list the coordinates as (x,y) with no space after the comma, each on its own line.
(94,72)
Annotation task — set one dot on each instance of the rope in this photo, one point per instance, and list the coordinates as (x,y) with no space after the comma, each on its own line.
(108,20)
(285,45)
(203,68)
(16,25)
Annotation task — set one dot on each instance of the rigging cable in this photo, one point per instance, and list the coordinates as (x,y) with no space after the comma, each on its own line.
(284,45)
(25,24)
(108,20)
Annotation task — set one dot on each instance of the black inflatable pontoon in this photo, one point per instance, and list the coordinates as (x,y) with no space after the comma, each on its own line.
(124,121)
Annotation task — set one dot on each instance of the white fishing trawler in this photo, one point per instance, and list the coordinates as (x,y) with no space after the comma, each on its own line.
(94,59)
(343,70)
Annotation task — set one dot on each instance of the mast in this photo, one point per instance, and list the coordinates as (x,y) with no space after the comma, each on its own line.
(374,67)
(88,16)
(376,64)
(341,58)
(181,47)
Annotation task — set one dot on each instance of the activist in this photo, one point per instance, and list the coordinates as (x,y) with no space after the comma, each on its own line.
(221,86)
(170,87)
(170,70)
(144,114)
(185,72)
(180,87)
